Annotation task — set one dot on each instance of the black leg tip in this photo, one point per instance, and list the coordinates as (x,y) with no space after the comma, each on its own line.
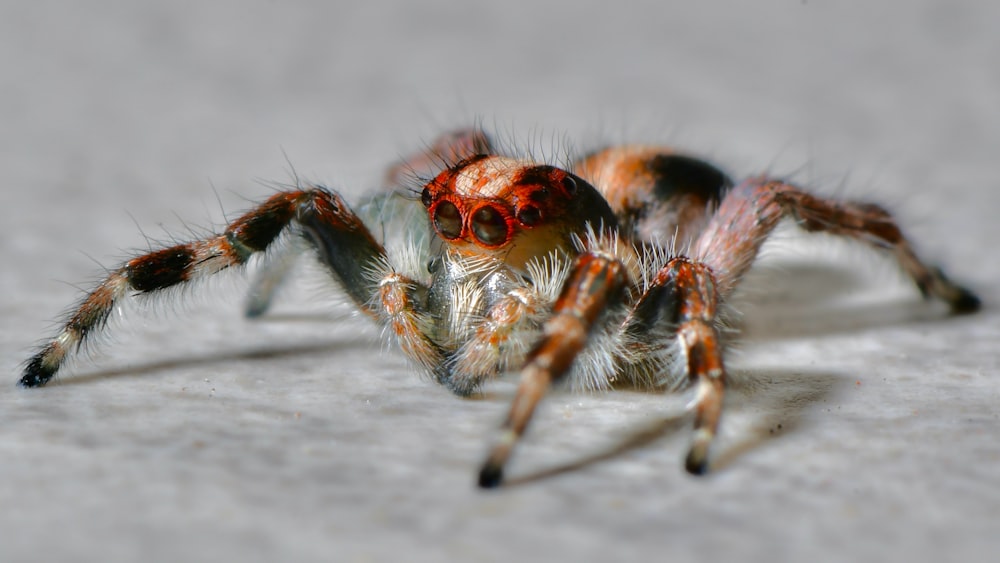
(35,374)
(254,310)
(696,464)
(462,387)
(965,303)
(961,300)
(491,476)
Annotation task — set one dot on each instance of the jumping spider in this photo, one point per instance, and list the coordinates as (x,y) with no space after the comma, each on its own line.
(502,263)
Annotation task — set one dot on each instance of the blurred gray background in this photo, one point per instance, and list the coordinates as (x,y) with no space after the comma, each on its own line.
(862,425)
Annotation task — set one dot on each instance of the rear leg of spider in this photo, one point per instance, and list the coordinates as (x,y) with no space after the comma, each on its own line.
(344,243)
(750,212)
(871,222)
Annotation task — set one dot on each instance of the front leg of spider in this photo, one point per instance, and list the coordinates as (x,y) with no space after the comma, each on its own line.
(343,243)
(682,300)
(596,281)
(449,148)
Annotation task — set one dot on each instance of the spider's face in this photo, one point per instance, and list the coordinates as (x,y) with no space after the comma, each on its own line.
(494,205)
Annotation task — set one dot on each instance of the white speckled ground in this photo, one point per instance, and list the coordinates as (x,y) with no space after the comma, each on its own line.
(863,424)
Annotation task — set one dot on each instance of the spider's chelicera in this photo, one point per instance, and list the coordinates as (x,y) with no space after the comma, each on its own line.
(505,264)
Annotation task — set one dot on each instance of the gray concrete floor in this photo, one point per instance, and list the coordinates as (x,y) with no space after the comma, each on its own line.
(863,424)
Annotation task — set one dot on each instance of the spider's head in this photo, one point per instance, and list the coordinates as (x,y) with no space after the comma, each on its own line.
(512,209)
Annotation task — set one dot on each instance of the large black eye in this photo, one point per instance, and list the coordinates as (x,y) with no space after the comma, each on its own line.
(425,197)
(448,220)
(489,226)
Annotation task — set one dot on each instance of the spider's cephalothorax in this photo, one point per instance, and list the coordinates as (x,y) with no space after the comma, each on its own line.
(506,264)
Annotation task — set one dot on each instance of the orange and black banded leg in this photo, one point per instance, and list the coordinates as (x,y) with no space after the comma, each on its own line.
(498,338)
(749,213)
(342,241)
(399,181)
(595,282)
(682,300)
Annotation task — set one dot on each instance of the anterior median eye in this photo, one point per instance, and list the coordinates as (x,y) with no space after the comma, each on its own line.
(489,226)
(448,220)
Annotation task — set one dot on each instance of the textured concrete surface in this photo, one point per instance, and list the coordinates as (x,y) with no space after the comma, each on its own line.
(863,424)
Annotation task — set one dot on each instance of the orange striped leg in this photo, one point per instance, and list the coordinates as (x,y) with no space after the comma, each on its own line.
(399,309)
(595,282)
(749,213)
(499,338)
(682,300)
(446,150)
(344,244)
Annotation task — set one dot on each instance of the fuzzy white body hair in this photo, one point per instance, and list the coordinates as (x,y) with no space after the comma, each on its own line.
(492,315)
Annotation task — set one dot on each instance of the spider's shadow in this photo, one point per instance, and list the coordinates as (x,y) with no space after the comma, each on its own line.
(175,363)
(795,300)
(799,300)
(781,398)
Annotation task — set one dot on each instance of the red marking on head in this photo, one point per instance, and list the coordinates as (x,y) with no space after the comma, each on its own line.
(488,200)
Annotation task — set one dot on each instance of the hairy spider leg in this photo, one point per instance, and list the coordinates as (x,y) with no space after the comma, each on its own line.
(682,300)
(400,178)
(498,338)
(751,211)
(597,280)
(343,242)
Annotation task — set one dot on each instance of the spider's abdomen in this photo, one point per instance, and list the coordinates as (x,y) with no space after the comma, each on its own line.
(655,192)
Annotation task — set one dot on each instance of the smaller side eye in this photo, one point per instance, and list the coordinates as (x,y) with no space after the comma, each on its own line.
(433,265)
(489,226)
(540,195)
(425,197)
(529,215)
(570,184)
(448,220)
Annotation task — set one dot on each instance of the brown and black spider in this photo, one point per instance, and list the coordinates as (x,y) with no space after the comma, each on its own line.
(502,263)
